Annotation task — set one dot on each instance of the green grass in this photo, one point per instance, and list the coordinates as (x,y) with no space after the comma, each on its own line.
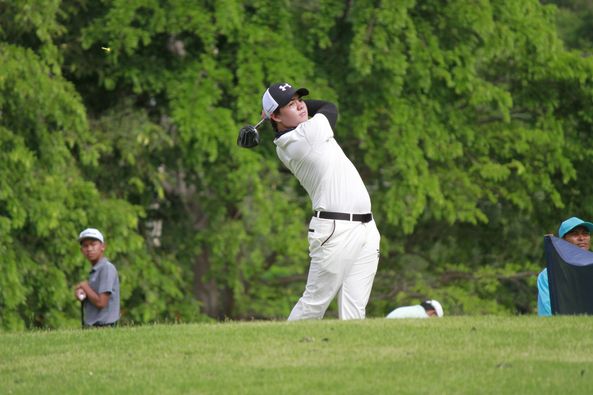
(453,355)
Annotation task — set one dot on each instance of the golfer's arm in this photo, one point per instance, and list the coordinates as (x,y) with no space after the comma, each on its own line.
(324,107)
(99,300)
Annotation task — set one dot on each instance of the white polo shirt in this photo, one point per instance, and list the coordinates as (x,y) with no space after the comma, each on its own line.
(312,154)
(416,311)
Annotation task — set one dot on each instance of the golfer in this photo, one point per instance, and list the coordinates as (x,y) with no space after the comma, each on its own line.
(100,294)
(343,237)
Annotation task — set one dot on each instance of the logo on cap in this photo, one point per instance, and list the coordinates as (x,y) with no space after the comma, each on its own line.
(279,95)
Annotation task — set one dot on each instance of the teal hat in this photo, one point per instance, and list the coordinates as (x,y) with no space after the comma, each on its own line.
(572,223)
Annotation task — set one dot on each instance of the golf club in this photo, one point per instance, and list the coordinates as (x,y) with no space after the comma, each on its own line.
(249,136)
(259,123)
(81,297)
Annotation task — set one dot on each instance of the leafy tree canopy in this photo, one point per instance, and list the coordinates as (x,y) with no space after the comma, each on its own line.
(465,119)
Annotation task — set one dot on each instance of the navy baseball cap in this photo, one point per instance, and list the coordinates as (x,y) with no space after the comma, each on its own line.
(278,95)
(572,223)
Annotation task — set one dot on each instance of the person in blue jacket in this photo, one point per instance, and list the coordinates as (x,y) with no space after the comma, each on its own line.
(575,231)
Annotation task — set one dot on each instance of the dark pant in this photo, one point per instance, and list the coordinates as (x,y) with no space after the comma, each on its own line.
(98,325)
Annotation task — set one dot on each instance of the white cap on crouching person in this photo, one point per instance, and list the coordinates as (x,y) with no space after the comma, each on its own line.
(279,95)
(437,307)
(91,233)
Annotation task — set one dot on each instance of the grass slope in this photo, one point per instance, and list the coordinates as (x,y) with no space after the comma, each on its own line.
(453,355)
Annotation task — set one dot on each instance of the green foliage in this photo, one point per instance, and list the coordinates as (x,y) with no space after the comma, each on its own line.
(45,202)
(573,18)
(465,119)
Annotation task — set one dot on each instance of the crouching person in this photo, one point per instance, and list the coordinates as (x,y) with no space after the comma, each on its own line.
(426,309)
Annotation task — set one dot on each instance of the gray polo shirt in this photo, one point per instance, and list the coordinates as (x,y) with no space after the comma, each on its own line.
(103,278)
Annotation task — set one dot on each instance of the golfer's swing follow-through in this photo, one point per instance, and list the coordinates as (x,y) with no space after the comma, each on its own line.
(343,237)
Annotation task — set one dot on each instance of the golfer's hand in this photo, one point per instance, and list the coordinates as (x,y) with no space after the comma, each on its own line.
(80,294)
(84,286)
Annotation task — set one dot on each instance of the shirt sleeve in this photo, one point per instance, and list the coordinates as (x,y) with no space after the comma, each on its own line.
(107,279)
(316,129)
(543,295)
(329,110)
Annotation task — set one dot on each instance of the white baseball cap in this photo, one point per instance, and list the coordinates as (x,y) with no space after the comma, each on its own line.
(279,95)
(437,307)
(91,233)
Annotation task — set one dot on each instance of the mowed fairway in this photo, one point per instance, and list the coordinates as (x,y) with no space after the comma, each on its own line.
(453,355)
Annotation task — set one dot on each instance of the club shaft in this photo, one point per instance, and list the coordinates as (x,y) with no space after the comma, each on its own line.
(259,123)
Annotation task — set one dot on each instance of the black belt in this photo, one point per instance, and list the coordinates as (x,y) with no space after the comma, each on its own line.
(344,216)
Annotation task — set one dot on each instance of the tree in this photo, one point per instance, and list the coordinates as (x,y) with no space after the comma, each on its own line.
(45,200)
(466,121)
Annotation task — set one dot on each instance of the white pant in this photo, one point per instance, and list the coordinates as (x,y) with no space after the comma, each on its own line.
(344,258)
